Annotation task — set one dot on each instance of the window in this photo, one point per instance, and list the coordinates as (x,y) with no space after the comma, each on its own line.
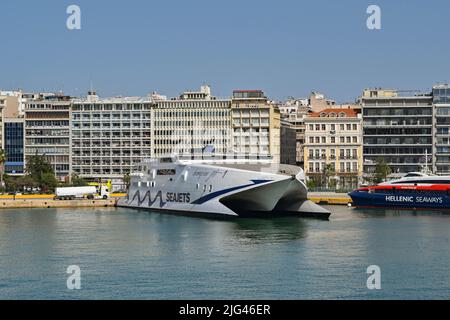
(166,172)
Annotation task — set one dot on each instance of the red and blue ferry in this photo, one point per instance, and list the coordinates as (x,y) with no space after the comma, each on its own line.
(403,196)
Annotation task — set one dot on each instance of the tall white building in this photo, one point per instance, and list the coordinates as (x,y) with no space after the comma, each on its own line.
(109,136)
(256,124)
(190,123)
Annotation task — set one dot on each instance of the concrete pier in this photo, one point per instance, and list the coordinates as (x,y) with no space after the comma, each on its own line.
(330,198)
(50,203)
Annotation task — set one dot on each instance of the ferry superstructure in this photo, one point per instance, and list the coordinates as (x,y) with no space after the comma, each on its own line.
(418,178)
(233,187)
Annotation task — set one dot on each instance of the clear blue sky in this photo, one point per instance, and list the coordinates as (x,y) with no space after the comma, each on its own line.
(286,48)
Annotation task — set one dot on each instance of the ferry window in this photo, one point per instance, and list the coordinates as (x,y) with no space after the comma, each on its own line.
(166,172)
(384,191)
(166,160)
(210,188)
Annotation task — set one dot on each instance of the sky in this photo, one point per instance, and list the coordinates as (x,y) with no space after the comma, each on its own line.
(286,48)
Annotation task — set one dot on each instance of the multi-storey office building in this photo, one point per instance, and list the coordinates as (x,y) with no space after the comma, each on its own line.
(109,136)
(256,124)
(397,128)
(334,137)
(13,145)
(441,150)
(190,123)
(47,133)
(2,107)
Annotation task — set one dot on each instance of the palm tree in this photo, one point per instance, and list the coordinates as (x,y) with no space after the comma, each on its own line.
(2,162)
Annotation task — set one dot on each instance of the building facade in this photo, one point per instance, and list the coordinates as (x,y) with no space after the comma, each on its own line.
(255,124)
(47,133)
(294,113)
(333,146)
(288,143)
(13,145)
(2,107)
(109,136)
(441,147)
(190,123)
(397,128)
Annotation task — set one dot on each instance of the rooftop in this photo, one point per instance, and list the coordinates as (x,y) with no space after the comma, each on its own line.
(335,113)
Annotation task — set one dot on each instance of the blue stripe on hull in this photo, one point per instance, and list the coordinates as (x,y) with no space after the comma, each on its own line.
(400,200)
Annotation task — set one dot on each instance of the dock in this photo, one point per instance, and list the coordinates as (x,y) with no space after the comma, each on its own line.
(47,201)
(50,203)
(329,198)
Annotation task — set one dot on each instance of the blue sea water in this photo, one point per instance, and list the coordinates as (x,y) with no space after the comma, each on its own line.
(128,254)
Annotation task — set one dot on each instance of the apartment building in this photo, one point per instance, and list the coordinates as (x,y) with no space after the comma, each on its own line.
(318,102)
(288,152)
(398,128)
(334,137)
(190,123)
(293,112)
(109,136)
(441,148)
(2,107)
(255,124)
(47,133)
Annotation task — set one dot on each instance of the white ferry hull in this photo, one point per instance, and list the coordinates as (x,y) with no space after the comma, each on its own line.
(218,190)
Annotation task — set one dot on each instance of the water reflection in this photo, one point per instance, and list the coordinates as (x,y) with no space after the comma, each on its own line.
(257,231)
(383,213)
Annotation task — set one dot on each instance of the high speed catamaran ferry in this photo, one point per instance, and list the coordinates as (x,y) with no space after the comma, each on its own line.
(230,186)
(415,190)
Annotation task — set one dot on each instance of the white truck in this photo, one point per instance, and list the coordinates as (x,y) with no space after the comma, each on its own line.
(90,192)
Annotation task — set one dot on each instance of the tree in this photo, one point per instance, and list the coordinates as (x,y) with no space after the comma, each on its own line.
(42,172)
(48,182)
(127,180)
(310,184)
(327,172)
(25,182)
(382,170)
(2,167)
(77,181)
(10,183)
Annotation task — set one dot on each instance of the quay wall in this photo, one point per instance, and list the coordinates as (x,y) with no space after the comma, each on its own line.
(50,203)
